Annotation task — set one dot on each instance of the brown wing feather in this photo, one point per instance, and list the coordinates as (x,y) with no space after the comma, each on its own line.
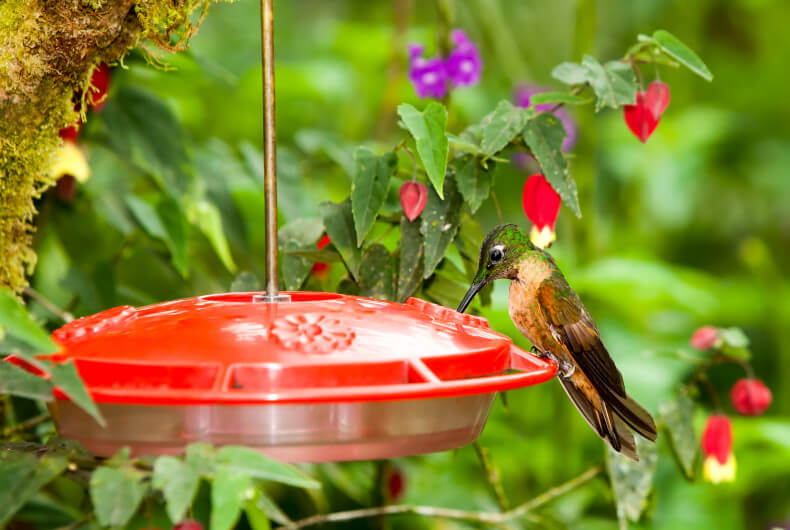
(576,330)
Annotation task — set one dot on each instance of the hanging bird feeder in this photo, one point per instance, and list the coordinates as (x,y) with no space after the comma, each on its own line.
(304,377)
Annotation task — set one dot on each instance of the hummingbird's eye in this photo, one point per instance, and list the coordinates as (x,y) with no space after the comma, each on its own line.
(495,256)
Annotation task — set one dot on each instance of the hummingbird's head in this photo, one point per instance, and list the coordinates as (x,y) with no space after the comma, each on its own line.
(500,255)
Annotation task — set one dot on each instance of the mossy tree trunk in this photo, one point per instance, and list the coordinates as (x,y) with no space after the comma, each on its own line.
(47,53)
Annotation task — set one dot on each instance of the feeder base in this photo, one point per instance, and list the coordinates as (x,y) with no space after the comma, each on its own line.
(291,433)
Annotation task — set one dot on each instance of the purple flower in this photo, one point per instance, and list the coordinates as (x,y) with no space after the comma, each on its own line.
(464,63)
(429,76)
(522,96)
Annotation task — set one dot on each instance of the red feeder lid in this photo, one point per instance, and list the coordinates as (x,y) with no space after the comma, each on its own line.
(321,347)
(325,377)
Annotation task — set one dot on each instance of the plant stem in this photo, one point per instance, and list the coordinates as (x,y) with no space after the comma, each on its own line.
(492,475)
(450,513)
(25,425)
(65,316)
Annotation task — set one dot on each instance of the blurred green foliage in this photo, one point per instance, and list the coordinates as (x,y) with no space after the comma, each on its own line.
(691,228)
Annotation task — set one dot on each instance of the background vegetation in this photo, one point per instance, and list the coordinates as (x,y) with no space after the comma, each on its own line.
(691,228)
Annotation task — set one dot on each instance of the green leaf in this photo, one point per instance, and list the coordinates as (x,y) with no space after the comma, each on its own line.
(376,273)
(558,97)
(673,47)
(142,129)
(19,382)
(369,187)
(250,462)
(296,235)
(632,481)
(271,509)
(172,231)
(176,226)
(256,512)
(465,145)
(474,182)
(439,225)
(116,494)
(245,281)
(410,266)
(501,126)
(339,225)
(428,129)
(544,135)
(18,324)
(202,457)
(208,219)
(229,492)
(22,476)
(65,376)
(569,73)
(678,419)
(734,337)
(178,482)
(612,86)
(734,343)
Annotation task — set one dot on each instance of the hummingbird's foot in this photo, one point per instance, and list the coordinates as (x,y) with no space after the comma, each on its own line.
(566,369)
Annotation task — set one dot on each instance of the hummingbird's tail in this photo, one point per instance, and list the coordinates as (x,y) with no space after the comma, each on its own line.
(607,420)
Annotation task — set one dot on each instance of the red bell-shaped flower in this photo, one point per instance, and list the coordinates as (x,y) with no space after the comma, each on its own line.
(100,85)
(643,117)
(541,206)
(657,98)
(750,397)
(396,484)
(321,269)
(719,463)
(413,197)
(704,338)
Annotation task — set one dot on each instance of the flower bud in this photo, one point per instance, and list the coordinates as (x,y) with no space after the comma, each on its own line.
(705,338)
(750,397)
(413,197)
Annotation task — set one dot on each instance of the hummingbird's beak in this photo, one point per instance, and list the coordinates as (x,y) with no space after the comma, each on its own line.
(473,290)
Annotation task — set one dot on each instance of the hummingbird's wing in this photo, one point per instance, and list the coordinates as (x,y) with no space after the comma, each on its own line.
(573,326)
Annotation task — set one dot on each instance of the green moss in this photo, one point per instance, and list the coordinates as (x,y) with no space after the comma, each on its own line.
(47,52)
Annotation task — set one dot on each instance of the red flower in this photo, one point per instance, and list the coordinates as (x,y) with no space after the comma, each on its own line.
(396,484)
(643,117)
(657,98)
(71,133)
(100,85)
(321,269)
(705,338)
(413,196)
(717,446)
(541,206)
(750,397)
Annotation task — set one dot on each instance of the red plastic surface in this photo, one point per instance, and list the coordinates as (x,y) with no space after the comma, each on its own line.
(321,347)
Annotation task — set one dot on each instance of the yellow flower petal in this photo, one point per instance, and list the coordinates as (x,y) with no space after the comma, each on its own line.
(69,160)
(715,472)
(542,238)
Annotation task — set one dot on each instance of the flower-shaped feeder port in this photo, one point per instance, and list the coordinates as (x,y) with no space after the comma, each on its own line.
(325,377)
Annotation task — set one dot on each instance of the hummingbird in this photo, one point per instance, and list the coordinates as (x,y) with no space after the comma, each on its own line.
(553,318)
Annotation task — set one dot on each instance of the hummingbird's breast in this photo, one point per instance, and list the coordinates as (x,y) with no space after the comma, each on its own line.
(523,305)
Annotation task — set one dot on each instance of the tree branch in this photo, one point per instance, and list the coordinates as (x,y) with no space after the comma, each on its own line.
(450,513)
